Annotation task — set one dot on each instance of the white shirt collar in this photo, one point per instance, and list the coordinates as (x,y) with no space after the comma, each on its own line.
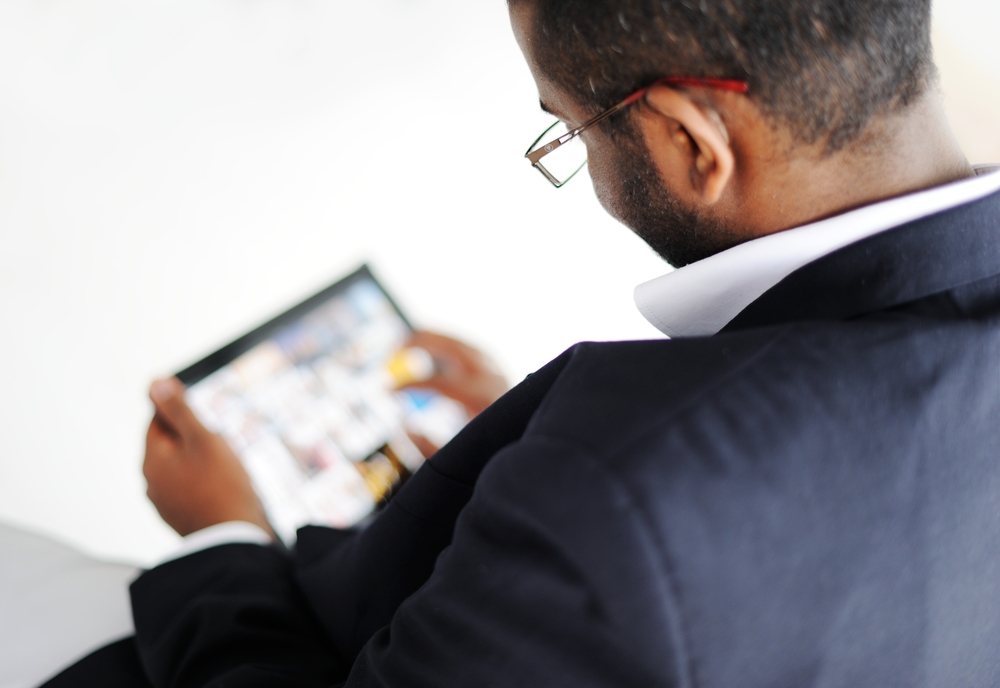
(700,299)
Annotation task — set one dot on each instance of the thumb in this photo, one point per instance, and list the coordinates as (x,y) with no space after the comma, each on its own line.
(168,398)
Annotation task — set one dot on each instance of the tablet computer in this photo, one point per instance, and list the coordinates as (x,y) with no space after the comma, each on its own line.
(309,402)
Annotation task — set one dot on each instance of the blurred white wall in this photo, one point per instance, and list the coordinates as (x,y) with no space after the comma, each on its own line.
(967,50)
(171,173)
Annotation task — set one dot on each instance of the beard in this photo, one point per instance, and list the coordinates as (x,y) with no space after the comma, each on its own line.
(640,200)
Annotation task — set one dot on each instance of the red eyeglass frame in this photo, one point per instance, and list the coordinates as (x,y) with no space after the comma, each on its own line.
(535,155)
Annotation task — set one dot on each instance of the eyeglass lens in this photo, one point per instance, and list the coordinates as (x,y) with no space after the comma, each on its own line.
(566,160)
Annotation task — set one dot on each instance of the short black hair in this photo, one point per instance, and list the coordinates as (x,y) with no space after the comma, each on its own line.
(824,68)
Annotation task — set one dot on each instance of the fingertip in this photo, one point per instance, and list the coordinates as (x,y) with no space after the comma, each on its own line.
(162,391)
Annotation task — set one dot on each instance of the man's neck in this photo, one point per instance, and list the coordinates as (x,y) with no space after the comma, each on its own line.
(898,155)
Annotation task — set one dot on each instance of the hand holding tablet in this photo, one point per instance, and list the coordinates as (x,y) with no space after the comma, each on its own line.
(311,405)
(194,478)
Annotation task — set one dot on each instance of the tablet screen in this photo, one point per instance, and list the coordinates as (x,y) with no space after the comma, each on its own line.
(308,403)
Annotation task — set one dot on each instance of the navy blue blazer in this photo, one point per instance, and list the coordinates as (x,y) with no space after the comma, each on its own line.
(809,498)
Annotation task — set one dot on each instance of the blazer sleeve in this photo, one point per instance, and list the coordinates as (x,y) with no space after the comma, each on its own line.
(248,615)
(230,616)
(551,580)
(356,583)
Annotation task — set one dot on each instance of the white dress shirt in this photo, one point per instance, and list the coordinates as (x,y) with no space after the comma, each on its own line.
(700,299)
(228,533)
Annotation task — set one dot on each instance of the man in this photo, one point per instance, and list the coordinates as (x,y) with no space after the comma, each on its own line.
(801,488)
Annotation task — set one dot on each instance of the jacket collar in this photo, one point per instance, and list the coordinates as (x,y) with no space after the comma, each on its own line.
(702,298)
(928,256)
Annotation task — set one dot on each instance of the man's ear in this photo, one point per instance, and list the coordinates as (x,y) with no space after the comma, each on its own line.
(699,139)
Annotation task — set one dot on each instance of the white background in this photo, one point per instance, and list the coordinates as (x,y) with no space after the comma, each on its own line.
(172,173)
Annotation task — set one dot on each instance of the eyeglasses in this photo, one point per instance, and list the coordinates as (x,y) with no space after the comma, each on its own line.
(565,154)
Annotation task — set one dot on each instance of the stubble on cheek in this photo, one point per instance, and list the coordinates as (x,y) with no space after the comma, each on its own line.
(608,188)
(632,191)
(615,176)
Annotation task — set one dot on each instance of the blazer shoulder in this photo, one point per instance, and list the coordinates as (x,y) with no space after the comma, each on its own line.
(611,392)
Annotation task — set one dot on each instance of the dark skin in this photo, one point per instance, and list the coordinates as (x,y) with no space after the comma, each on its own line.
(721,156)
(195,480)
(461,372)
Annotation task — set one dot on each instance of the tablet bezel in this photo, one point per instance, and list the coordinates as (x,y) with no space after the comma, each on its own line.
(199,371)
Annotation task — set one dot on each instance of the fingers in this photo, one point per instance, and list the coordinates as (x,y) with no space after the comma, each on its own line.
(461,372)
(171,410)
(159,434)
(197,484)
(451,355)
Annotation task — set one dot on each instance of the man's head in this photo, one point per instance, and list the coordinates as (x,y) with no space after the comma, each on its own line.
(685,168)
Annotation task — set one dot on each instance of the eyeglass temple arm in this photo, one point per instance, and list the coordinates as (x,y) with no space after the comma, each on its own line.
(717,84)
(734,85)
